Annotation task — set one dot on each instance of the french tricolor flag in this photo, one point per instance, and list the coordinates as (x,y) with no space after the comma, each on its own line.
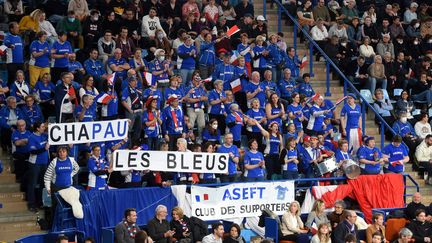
(149,78)
(104,99)
(111,78)
(203,197)
(303,62)
(236,85)
(233,30)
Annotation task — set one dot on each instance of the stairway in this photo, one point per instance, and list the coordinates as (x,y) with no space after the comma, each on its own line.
(15,220)
(319,84)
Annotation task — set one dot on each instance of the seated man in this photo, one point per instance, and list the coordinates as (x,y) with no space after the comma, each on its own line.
(345,227)
(159,228)
(413,206)
(423,155)
(126,230)
(216,236)
(421,229)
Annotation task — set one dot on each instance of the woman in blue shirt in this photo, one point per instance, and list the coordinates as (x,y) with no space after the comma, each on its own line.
(370,157)
(275,110)
(38,160)
(207,56)
(174,88)
(211,133)
(397,156)
(40,54)
(207,178)
(44,91)
(255,113)
(60,53)
(99,168)
(295,112)
(290,160)
(187,54)
(152,122)
(254,163)
(273,147)
(351,125)
(32,111)
(259,56)
(235,122)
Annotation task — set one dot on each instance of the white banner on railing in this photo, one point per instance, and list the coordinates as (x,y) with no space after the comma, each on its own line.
(241,199)
(170,161)
(87,132)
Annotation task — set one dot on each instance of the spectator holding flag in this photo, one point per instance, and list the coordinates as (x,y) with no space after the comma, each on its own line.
(351,123)
(99,169)
(152,122)
(65,98)
(108,98)
(397,155)
(132,102)
(245,50)
(173,122)
(195,99)
(235,122)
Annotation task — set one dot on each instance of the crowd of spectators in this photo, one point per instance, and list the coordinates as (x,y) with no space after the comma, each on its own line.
(186,84)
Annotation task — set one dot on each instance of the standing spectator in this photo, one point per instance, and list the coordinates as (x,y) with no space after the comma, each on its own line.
(150,23)
(234,156)
(259,55)
(86,112)
(44,92)
(211,13)
(39,158)
(158,227)
(29,24)
(126,230)
(321,11)
(242,8)
(254,162)
(80,7)
(76,68)
(217,234)
(195,99)
(20,88)
(368,29)
(161,68)
(106,46)
(20,149)
(64,96)
(60,51)
(293,63)
(118,64)
(186,57)
(125,44)
(92,30)
(46,26)
(224,71)
(290,160)
(305,87)
(14,10)
(173,122)
(72,27)
(255,89)
(316,121)
(95,68)
(162,42)
(216,99)
(132,103)
(99,169)
(14,51)
(39,62)
(397,156)
(152,120)
(235,122)
(207,56)
(109,109)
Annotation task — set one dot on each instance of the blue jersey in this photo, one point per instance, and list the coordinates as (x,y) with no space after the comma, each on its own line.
(371,154)
(257,115)
(188,61)
(32,114)
(170,91)
(291,166)
(61,49)
(235,122)
(287,88)
(63,171)
(224,72)
(261,96)
(157,66)
(98,168)
(232,166)
(217,109)
(244,50)
(173,121)
(276,111)
(156,94)
(293,64)
(118,62)
(251,158)
(38,153)
(207,54)
(339,155)
(41,61)
(298,113)
(352,116)
(214,138)
(243,74)
(196,93)
(327,105)
(73,66)
(150,131)
(306,89)
(274,144)
(316,119)
(403,129)
(45,92)
(94,68)
(259,60)
(275,55)
(15,50)
(395,154)
(17,135)
(89,114)
(272,86)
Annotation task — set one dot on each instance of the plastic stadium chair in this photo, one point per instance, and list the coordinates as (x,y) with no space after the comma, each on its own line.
(367,95)
(393,226)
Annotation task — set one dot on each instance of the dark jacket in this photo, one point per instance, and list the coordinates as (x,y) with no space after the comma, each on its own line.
(342,230)
(199,228)
(231,240)
(180,229)
(411,208)
(420,230)
(157,229)
(122,234)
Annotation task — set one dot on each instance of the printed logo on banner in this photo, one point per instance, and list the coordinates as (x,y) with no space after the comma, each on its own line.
(241,199)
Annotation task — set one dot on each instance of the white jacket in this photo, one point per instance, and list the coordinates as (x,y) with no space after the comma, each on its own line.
(423,152)
(318,34)
(150,25)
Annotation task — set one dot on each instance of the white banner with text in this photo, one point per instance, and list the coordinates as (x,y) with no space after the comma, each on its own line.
(241,199)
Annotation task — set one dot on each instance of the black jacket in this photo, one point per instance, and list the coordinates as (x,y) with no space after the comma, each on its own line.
(420,230)
(199,228)
(157,229)
(180,229)
(342,230)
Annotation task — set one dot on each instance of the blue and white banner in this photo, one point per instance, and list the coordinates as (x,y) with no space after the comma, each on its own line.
(87,132)
(241,199)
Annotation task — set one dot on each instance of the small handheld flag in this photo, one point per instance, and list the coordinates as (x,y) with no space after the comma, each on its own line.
(340,100)
(233,30)
(303,62)
(236,85)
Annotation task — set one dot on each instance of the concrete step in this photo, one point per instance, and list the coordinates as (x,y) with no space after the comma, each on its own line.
(6,177)
(10,187)
(23,226)
(11,236)
(19,216)
(14,207)
(11,197)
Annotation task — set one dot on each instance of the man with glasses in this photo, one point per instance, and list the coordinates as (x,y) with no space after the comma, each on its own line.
(64,97)
(346,227)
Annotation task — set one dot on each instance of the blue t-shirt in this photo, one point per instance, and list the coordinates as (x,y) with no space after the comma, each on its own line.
(38,153)
(61,49)
(294,109)
(291,166)
(15,54)
(45,92)
(235,123)
(395,154)
(370,154)
(41,61)
(214,138)
(118,62)
(17,135)
(261,96)
(257,115)
(251,158)
(150,131)
(274,144)
(89,115)
(316,119)
(306,89)
(63,172)
(352,115)
(187,62)
(217,109)
(232,166)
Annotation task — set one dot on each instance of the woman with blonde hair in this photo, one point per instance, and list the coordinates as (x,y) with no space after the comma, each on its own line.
(323,234)
(30,22)
(291,224)
(180,224)
(317,215)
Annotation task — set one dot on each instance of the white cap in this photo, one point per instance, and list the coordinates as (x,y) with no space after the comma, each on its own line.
(260,18)
(414,5)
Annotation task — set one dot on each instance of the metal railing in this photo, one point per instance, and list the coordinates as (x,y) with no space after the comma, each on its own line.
(329,64)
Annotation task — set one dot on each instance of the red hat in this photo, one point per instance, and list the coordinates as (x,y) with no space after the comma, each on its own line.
(222,50)
(171,99)
(307,139)
(149,100)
